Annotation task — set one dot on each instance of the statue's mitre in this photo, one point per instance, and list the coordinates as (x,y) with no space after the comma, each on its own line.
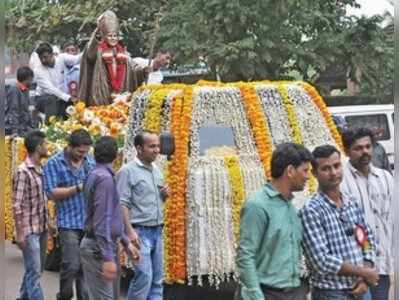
(108,22)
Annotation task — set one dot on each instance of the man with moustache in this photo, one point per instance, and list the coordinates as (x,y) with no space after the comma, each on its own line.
(269,251)
(372,188)
(337,241)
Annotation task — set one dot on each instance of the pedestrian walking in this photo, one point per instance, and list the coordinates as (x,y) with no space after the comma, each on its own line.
(31,215)
(104,226)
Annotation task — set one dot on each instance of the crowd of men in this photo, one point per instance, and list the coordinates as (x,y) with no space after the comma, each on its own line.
(95,210)
(344,230)
(57,79)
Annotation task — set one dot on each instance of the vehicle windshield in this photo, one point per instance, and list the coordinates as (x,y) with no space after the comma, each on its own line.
(215,139)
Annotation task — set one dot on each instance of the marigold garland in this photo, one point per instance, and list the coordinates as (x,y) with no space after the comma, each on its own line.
(170,205)
(8,217)
(258,123)
(175,208)
(315,96)
(152,120)
(237,190)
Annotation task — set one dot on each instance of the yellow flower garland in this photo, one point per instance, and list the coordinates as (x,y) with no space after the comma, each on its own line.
(291,114)
(8,216)
(259,127)
(237,189)
(315,96)
(294,125)
(153,114)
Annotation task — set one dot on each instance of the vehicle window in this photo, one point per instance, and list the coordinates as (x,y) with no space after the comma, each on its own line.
(378,123)
(216,139)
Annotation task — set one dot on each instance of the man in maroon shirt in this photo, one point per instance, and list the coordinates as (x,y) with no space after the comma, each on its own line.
(30,214)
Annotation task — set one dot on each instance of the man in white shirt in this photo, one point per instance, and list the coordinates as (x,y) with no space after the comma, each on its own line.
(373,188)
(71,72)
(51,99)
(160,61)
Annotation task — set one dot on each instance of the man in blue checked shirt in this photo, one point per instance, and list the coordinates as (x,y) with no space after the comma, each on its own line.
(64,174)
(337,242)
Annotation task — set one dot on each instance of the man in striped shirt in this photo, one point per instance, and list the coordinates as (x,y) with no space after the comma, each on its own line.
(30,214)
(337,242)
(373,190)
(65,173)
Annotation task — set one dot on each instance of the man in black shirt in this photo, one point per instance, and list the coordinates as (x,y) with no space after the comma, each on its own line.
(19,116)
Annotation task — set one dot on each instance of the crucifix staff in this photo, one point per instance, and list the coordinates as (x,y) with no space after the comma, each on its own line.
(157,28)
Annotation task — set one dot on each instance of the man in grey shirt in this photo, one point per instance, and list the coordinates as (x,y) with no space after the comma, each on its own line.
(142,191)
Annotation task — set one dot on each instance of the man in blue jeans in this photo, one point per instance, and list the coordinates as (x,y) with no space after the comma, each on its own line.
(65,173)
(30,215)
(337,241)
(142,191)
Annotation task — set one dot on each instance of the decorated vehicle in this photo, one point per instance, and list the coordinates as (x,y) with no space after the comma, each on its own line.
(224,135)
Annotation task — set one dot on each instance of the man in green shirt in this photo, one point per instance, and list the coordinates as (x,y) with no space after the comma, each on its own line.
(269,251)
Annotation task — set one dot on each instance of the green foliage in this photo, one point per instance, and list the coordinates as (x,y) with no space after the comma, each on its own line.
(28,21)
(250,40)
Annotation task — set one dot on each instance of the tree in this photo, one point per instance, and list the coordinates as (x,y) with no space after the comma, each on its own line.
(250,40)
(29,21)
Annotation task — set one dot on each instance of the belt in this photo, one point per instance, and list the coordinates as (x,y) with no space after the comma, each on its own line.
(280,290)
(146,226)
(90,235)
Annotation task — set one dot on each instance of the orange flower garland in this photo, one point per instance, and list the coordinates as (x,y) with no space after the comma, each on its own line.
(260,129)
(170,205)
(311,91)
(175,210)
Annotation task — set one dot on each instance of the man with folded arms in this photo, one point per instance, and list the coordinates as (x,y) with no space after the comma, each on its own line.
(338,244)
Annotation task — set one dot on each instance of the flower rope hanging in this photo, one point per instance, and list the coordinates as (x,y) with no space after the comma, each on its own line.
(315,96)
(294,124)
(238,193)
(152,119)
(258,123)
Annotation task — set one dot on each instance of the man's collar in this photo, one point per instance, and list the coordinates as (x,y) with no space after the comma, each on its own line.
(66,157)
(344,197)
(107,167)
(30,165)
(141,164)
(272,192)
(21,86)
(373,170)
